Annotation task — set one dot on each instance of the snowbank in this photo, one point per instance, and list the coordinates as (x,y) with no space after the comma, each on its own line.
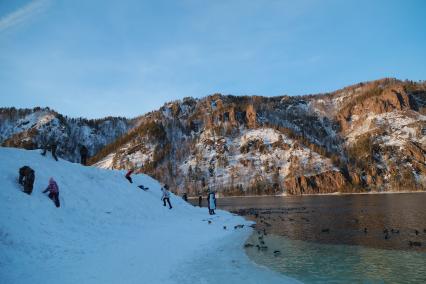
(109,231)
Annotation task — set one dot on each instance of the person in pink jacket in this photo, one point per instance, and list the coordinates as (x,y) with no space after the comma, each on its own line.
(53,191)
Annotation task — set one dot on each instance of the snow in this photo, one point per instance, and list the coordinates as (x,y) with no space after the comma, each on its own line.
(40,125)
(401,126)
(109,231)
(244,168)
(35,119)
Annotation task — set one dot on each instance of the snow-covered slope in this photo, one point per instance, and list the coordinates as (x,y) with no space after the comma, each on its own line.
(109,231)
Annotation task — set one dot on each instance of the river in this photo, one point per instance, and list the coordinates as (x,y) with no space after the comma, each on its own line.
(360,238)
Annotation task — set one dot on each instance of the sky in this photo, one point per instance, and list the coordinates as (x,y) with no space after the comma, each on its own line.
(125,58)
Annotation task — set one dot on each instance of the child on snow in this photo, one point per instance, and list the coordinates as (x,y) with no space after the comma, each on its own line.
(211,199)
(53,191)
(166,195)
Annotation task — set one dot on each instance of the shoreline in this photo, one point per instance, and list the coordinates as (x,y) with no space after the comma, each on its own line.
(317,194)
(226,261)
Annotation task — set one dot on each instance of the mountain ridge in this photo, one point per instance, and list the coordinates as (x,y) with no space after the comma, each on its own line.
(365,137)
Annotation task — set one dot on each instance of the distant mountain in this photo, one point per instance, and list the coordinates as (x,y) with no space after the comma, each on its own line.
(33,128)
(365,137)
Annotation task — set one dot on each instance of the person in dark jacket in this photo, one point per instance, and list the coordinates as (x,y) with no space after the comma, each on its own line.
(128,175)
(26,179)
(200,201)
(166,195)
(211,199)
(53,191)
(84,152)
(52,146)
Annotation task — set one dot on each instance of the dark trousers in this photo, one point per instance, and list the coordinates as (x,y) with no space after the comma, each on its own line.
(55,198)
(28,188)
(129,179)
(168,201)
(53,151)
(83,159)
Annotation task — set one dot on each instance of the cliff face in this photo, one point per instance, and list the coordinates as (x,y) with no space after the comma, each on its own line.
(326,182)
(370,136)
(364,137)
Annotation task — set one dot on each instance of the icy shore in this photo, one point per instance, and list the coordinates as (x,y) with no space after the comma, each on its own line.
(109,231)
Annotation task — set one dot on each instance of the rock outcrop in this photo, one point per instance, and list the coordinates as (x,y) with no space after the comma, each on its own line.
(326,182)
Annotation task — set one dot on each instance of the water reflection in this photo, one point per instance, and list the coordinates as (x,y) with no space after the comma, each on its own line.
(389,221)
(338,239)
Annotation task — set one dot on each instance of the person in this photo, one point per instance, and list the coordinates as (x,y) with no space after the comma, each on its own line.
(53,146)
(185,197)
(53,191)
(211,199)
(200,201)
(26,179)
(143,187)
(128,175)
(83,154)
(166,196)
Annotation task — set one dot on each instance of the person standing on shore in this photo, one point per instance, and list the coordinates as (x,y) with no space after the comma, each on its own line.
(211,199)
(200,201)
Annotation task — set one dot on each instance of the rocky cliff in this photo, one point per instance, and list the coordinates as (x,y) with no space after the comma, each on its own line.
(365,137)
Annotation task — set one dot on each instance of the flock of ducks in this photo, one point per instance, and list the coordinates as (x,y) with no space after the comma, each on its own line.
(388,233)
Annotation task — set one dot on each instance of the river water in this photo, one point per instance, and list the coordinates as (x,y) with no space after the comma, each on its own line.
(371,238)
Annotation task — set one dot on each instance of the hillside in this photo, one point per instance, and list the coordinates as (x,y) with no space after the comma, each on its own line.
(366,137)
(33,128)
(109,231)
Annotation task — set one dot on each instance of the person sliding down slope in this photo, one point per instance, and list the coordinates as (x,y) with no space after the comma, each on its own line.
(53,191)
(128,175)
(166,195)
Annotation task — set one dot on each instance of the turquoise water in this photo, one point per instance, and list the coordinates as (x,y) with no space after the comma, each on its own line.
(339,239)
(312,262)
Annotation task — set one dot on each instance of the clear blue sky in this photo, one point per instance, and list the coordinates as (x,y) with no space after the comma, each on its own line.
(97,58)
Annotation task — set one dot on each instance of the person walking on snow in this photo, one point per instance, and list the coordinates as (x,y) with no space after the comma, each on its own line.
(128,175)
(53,191)
(52,145)
(83,153)
(211,199)
(166,196)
